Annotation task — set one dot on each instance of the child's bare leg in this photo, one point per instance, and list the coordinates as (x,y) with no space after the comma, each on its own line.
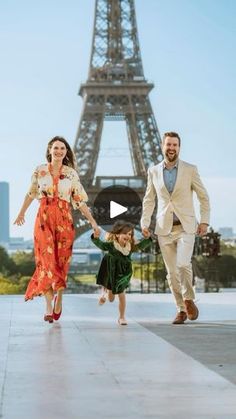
(122,306)
(103,296)
(111,296)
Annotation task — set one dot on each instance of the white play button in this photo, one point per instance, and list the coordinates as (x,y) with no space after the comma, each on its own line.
(117,202)
(116,209)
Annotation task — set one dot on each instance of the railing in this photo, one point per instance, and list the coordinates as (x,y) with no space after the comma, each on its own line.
(149,274)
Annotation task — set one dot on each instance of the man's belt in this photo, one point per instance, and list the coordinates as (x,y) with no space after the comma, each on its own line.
(176,223)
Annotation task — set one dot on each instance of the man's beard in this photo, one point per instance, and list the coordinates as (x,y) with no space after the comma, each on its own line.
(171,158)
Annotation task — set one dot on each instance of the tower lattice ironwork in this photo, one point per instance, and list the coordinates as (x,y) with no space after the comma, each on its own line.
(116,89)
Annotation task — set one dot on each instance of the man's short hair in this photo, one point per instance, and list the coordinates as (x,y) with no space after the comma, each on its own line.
(171,134)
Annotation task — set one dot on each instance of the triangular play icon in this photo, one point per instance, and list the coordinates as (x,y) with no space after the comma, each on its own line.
(116,209)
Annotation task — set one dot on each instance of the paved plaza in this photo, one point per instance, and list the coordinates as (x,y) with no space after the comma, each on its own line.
(86,366)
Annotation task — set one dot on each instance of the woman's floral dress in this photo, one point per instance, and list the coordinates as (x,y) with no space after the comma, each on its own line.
(54,229)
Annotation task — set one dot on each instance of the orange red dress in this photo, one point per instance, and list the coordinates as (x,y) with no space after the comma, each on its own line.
(54,229)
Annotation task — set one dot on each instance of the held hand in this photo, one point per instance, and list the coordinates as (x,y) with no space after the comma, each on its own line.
(146,233)
(20,220)
(96,231)
(202,229)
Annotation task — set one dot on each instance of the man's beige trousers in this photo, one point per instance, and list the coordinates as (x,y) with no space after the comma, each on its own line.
(177,249)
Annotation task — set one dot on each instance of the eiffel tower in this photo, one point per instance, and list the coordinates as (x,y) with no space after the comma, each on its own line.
(116,89)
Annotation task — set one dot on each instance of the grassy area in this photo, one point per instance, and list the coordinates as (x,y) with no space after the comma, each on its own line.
(7,287)
(150,271)
(85,278)
(13,285)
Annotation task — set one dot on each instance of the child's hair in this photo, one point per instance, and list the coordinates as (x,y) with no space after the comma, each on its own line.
(121,227)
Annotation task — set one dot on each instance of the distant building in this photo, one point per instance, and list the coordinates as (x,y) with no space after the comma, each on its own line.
(18,244)
(226,232)
(4,213)
(85,260)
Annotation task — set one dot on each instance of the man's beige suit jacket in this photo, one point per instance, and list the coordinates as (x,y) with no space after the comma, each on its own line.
(180,201)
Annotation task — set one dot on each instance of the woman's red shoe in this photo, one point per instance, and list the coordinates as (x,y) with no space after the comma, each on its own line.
(48,318)
(56,316)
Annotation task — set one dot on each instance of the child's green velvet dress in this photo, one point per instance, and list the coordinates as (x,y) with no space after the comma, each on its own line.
(115,270)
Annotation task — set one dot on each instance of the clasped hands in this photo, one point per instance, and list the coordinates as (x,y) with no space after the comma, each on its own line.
(146,233)
(96,231)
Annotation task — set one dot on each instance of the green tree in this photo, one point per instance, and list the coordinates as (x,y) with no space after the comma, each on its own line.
(227,249)
(225,265)
(7,265)
(24,263)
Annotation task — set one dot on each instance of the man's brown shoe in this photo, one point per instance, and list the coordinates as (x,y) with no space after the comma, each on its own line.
(180,318)
(192,310)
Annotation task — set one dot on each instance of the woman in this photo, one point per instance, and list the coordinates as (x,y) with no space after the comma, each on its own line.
(55,184)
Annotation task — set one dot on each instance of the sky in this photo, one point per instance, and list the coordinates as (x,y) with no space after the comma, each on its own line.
(188,52)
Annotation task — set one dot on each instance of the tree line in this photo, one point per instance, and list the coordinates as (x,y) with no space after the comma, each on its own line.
(16,269)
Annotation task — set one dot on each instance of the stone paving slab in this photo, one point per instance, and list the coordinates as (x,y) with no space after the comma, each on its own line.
(86,366)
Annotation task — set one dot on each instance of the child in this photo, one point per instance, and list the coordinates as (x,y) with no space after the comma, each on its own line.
(116,269)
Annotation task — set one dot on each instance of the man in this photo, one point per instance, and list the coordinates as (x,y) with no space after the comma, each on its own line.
(172,183)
